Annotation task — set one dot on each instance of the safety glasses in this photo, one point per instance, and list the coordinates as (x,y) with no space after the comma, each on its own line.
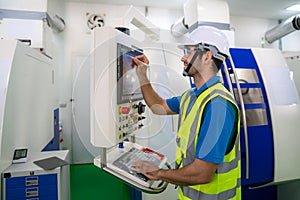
(189,50)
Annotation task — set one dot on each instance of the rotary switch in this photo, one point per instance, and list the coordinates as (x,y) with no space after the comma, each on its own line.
(141,108)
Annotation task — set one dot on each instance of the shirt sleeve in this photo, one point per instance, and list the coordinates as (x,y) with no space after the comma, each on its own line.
(174,103)
(217,126)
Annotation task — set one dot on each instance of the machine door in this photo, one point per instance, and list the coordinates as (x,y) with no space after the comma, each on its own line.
(257,143)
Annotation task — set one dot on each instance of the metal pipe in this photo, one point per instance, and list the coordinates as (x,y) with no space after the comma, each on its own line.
(284,28)
(179,28)
(244,119)
(56,23)
(226,71)
(103,157)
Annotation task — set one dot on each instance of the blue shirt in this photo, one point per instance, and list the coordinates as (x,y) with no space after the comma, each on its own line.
(217,124)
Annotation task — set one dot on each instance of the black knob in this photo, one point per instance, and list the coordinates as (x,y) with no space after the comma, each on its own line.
(141,108)
(141,118)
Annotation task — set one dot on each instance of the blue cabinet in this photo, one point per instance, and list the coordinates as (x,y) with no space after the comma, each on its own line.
(41,187)
(28,181)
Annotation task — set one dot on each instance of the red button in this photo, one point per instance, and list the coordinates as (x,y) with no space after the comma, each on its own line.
(125,110)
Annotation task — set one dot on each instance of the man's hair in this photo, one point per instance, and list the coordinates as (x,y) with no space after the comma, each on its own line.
(217,64)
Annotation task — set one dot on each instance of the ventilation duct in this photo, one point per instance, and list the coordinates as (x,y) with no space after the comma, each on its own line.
(179,28)
(57,24)
(284,28)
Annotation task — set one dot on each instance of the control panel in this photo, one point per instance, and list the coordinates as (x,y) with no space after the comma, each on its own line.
(116,99)
(130,119)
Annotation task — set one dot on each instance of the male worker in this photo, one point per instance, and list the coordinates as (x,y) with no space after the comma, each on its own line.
(207,153)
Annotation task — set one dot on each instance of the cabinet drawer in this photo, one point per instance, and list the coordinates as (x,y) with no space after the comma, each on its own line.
(27,181)
(32,192)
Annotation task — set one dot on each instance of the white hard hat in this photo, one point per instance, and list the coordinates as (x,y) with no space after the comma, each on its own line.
(209,37)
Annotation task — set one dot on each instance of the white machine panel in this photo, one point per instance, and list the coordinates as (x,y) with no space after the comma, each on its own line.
(285,112)
(27,99)
(116,105)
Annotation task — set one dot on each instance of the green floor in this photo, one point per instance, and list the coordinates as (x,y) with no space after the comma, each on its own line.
(88,182)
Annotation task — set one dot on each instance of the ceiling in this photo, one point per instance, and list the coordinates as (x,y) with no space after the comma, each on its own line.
(269,9)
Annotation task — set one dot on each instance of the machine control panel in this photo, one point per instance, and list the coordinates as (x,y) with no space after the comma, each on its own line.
(129,119)
(116,104)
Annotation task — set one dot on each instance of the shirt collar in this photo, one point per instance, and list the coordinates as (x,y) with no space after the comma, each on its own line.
(208,84)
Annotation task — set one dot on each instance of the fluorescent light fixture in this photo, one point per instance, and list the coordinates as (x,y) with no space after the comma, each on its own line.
(295,7)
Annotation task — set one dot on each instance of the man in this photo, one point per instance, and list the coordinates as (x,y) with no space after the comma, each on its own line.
(207,153)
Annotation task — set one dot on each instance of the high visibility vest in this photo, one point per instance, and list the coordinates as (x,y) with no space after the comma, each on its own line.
(226,182)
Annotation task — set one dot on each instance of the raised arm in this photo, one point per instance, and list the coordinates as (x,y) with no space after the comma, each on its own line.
(157,104)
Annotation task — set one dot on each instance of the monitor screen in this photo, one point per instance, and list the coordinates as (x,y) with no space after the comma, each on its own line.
(128,83)
(20,153)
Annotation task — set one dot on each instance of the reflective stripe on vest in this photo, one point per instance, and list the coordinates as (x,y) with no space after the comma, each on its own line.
(195,194)
(226,181)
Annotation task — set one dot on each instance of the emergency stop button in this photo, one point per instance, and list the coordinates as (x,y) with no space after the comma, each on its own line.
(124,110)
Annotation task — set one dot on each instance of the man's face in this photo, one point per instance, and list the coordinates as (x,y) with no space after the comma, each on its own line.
(189,53)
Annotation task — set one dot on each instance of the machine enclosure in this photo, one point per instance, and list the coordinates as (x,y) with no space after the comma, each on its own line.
(273,115)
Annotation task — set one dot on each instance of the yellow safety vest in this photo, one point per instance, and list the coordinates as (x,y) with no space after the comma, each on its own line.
(226,182)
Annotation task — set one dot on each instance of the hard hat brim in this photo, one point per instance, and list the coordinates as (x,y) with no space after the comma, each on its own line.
(182,46)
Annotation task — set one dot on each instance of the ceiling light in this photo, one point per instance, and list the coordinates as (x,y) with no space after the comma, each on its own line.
(295,7)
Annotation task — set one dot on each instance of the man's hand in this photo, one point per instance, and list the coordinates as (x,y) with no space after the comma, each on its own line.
(147,168)
(143,166)
(198,172)
(141,62)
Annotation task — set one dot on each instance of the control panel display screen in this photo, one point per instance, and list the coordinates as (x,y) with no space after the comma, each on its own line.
(128,83)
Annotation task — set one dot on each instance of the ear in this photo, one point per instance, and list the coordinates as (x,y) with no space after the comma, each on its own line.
(208,56)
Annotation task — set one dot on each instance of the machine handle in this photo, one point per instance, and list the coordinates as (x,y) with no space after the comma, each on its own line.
(243,111)
(151,190)
(162,185)
(228,78)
